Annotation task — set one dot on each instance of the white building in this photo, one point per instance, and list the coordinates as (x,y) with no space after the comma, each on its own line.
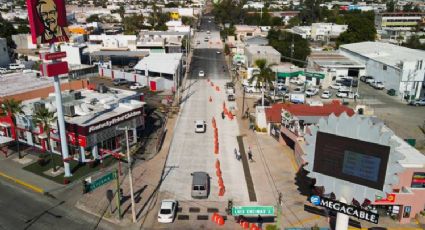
(4,53)
(114,42)
(325,31)
(399,68)
(268,53)
(303,31)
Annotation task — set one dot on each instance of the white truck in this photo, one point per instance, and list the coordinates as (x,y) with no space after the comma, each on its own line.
(297,98)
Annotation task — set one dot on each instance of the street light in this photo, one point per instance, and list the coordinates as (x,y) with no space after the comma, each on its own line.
(130,177)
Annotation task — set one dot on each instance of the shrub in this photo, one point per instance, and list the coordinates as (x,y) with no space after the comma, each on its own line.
(258,129)
(264,130)
(271,227)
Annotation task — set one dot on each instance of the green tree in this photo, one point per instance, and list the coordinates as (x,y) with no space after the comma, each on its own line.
(6,31)
(93,18)
(311,12)
(133,24)
(264,77)
(292,46)
(360,28)
(187,20)
(414,43)
(12,108)
(45,119)
(390,6)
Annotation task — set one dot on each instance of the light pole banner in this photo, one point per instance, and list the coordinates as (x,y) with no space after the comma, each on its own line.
(47,20)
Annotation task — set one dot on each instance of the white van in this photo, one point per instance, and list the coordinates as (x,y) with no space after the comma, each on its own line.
(16,66)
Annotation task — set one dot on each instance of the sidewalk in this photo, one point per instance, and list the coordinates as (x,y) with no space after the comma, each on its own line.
(273,171)
(146,182)
(11,169)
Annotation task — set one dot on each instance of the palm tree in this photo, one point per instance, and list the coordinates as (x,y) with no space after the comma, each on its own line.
(12,108)
(264,77)
(45,118)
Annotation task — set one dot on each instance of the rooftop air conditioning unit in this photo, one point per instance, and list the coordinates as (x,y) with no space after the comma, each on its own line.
(77,95)
(39,105)
(69,110)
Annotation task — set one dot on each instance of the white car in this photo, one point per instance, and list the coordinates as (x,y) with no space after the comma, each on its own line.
(296,81)
(137,85)
(200,126)
(336,86)
(378,85)
(4,71)
(370,80)
(15,66)
(208,32)
(167,211)
(218,52)
(201,73)
(251,89)
(298,90)
(326,94)
(311,92)
(342,94)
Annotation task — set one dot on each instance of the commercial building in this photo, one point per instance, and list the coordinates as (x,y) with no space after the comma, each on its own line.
(399,21)
(326,31)
(399,68)
(92,119)
(407,196)
(333,65)
(243,32)
(268,53)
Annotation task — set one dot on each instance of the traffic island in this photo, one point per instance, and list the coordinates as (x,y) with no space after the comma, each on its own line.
(79,170)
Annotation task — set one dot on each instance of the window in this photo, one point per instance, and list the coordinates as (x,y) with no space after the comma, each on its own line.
(418,180)
(384,67)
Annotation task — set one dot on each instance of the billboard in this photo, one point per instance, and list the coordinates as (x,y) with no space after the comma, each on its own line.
(352,160)
(47,20)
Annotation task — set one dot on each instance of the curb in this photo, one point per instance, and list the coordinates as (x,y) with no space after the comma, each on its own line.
(29,186)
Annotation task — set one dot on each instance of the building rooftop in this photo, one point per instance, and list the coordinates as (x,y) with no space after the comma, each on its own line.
(15,83)
(160,62)
(385,53)
(333,60)
(176,33)
(262,50)
(92,107)
(120,53)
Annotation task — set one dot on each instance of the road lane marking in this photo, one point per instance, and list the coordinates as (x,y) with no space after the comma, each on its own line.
(29,186)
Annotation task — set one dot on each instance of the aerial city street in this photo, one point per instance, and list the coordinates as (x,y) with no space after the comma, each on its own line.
(212,114)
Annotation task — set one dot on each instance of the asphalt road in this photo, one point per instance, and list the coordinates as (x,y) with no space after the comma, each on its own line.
(21,209)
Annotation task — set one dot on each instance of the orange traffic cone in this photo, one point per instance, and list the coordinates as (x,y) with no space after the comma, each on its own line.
(210,99)
(217,88)
(254,227)
(220,182)
(212,84)
(245,225)
(222,190)
(213,216)
(216,149)
(218,172)
(220,220)
(217,164)
(208,80)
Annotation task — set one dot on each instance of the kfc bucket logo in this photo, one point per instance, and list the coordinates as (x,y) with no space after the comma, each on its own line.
(47,21)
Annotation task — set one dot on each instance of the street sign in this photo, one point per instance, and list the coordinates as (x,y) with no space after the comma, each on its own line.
(101,181)
(252,210)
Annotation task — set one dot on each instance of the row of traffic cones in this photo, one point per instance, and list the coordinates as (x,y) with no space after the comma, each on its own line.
(246,225)
(220,179)
(218,219)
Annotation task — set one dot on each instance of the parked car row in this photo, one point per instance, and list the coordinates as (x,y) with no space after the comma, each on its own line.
(130,84)
(372,82)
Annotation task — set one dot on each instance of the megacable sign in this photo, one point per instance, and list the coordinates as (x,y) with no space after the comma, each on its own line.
(346,209)
(47,20)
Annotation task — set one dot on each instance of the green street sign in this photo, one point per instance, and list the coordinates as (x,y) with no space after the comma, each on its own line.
(252,210)
(101,181)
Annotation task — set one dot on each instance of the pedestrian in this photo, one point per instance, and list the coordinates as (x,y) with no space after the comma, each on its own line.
(236,153)
(238,156)
(222,115)
(260,222)
(250,155)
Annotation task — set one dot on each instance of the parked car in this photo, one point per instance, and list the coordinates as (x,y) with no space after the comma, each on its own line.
(378,85)
(218,52)
(119,81)
(364,78)
(370,80)
(200,126)
(252,89)
(296,81)
(167,211)
(326,94)
(201,73)
(348,82)
(342,94)
(4,71)
(231,97)
(418,102)
(16,66)
(137,85)
(298,90)
(200,185)
(391,92)
(311,92)
(335,86)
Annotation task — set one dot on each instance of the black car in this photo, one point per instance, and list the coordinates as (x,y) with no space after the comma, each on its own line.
(352,83)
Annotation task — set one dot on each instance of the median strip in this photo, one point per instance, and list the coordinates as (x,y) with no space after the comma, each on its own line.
(29,186)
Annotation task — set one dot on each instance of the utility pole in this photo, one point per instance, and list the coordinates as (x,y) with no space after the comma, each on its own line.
(130,177)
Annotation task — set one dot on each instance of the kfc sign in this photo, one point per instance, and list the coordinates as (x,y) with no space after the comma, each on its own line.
(47,20)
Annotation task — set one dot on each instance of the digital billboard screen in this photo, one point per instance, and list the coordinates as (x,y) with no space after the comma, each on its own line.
(356,161)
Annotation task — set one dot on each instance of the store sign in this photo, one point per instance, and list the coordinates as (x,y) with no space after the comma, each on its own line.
(47,19)
(114,121)
(52,56)
(347,209)
(54,69)
(389,199)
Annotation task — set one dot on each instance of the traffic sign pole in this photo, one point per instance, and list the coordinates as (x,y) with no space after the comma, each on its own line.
(118,195)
